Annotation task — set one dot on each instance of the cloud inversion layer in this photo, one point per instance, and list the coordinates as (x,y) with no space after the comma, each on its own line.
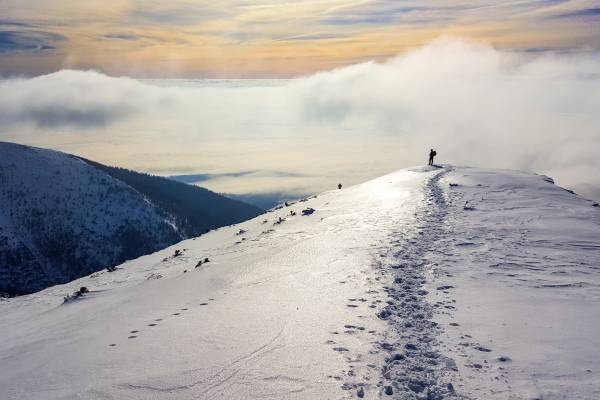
(73,98)
(475,104)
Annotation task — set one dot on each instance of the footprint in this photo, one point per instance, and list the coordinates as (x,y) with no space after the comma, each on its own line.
(184,309)
(131,337)
(112,344)
(203,304)
(158,319)
(151,324)
(133,331)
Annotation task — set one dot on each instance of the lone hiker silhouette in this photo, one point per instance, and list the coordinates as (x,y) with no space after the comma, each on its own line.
(432,153)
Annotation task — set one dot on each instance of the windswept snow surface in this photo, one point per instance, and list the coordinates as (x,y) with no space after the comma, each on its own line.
(431,282)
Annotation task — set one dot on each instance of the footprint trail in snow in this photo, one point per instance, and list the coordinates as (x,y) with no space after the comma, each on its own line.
(427,283)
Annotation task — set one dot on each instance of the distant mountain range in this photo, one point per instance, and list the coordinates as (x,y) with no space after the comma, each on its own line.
(264,200)
(64,217)
(194,209)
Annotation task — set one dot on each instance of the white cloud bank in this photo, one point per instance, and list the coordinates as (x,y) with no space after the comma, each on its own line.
(474,104)
(74,98)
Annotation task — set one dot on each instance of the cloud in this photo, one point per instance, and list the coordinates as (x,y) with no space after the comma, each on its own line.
(74,98)
(479,105)
(377,13)
(121,36)
(475,104)
(176,14)
(586,12)
(254,186)
(314,36)
(386,12)
(13,22)
(267,200)
(11,41)
(197,178)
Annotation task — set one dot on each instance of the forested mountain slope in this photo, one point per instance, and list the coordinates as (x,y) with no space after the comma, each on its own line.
(62,218)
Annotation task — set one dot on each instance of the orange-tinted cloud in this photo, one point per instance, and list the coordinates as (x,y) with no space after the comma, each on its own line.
(260,38)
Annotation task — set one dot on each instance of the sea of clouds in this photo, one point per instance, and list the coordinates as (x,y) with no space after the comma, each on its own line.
(475,104)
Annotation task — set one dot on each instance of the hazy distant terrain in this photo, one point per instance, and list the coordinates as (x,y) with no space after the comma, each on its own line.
(194,209)
(263,200)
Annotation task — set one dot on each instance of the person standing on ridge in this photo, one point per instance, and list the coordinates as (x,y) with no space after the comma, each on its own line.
(432,153)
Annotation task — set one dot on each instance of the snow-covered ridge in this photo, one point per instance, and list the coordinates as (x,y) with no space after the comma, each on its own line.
(62,217)
(431,282)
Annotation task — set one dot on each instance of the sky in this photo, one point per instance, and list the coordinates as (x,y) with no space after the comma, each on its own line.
(331,91)
(269,38)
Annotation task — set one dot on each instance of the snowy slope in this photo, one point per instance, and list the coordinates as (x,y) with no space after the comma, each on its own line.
(432,282)
(61,219)
(523,256)
(193,209)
